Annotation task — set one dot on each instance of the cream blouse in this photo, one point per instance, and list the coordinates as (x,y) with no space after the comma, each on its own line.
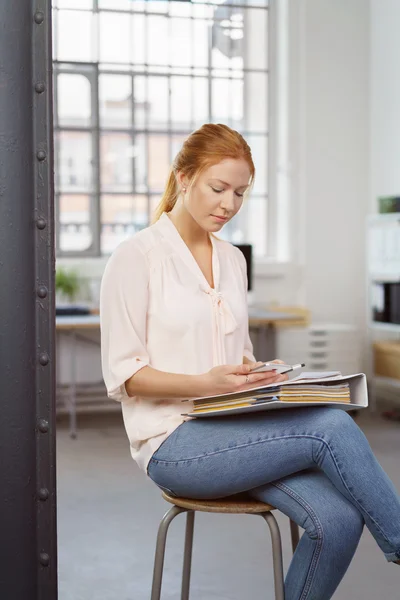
(157,309)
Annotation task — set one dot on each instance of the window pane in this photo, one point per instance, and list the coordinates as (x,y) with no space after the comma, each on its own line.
(256,38)
(140,158)
(115,100)
(75,36)
(75,170)
(73,100)
(181,102)
(259,145)
(181,42)
(114,38)
(159,163)
(157,102)
(200,101)
(151,102)
(116,156)
(74,218)
(237,91)
(82,4)
(138,41)
(121,217)
(256,101)
(201,36)
(157,40)
(116,4)
(221,101)
(180,9)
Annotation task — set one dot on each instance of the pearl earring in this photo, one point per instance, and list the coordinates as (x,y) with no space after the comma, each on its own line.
(184,190)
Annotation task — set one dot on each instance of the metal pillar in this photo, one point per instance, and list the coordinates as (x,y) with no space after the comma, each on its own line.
(28,551)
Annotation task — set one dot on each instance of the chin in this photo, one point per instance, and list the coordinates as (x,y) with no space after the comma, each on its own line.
(215,227)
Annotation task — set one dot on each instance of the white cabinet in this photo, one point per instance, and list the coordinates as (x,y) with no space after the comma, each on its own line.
(322,347)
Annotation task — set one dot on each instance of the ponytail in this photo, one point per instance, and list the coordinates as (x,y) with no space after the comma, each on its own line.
(169,197)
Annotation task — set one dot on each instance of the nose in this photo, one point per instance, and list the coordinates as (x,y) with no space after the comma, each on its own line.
(228,201)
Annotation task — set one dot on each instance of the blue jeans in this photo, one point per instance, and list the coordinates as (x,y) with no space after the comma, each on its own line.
(313,464)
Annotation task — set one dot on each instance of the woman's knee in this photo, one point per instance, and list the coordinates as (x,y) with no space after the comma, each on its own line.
(334,420)
(336,521)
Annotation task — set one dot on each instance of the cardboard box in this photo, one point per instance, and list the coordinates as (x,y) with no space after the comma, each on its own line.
(387,359)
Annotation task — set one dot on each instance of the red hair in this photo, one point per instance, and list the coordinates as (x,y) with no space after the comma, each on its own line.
(204,148)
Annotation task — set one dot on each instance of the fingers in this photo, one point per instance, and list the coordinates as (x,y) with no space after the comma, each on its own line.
(265,378)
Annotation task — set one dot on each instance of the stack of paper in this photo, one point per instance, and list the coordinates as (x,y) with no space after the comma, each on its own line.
(307,389)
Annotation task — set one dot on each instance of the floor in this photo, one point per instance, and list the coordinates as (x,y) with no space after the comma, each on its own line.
(108,514)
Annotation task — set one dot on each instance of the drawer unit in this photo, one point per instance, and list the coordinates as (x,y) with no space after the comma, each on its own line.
(321,348)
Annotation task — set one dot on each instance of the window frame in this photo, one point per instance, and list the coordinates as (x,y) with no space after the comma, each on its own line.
(92,71)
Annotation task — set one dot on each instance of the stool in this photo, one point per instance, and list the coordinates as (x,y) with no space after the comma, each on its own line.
(236,505)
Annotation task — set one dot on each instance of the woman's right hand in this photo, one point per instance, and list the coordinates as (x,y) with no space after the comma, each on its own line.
(226,379)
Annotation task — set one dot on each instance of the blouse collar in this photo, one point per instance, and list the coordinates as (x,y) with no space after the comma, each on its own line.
(172,234)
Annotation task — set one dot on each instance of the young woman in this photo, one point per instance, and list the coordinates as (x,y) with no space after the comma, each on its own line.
(174,325)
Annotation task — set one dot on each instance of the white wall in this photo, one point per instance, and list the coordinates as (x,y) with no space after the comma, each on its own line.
(385,99)
(334,155)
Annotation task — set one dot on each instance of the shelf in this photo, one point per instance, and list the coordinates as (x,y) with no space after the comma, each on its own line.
(383,217)
(393,327)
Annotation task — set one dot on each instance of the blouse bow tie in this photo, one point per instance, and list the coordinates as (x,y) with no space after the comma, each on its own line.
(223,308)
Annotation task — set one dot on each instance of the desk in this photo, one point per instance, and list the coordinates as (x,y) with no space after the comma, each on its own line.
(71,326)
(261,320)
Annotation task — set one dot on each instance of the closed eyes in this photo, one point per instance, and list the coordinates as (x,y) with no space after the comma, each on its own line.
(217,191)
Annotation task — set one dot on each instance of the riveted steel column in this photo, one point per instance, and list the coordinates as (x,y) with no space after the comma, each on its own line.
(28,554)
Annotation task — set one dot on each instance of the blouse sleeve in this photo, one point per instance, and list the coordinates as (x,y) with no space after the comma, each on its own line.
(123,313)
(248,346)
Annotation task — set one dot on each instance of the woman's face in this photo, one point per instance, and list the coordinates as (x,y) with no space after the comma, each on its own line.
(217,195)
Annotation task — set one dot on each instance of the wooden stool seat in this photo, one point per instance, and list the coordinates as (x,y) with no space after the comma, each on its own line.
(237,504)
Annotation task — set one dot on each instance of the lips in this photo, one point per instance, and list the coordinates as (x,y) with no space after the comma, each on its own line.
(220,218)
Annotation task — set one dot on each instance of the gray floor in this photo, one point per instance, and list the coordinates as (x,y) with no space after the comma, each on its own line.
(108,515)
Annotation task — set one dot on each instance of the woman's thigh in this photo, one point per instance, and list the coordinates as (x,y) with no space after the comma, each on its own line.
(219,456)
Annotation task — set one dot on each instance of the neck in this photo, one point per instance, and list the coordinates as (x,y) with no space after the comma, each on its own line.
(192,234)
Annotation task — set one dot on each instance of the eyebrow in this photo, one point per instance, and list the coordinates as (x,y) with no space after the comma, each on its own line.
(228,184)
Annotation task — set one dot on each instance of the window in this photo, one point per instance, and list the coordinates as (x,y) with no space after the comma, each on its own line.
(132,79)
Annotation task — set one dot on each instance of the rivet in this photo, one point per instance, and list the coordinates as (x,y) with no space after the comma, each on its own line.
(41,223)
(43,494)
(39,17)
(43,426)
(41,155)
(40,87)
(44,359)
(42,291)
(44,559)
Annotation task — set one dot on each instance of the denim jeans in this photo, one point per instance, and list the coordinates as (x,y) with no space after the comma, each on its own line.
(313,464)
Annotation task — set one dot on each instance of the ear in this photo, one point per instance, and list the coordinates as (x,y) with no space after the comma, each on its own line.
(182,180)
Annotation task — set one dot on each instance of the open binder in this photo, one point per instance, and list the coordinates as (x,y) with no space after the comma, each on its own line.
(346,392)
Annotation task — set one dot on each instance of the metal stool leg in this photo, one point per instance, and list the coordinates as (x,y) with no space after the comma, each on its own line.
(294,532)
(160,550)
(187,558)
(276,555)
